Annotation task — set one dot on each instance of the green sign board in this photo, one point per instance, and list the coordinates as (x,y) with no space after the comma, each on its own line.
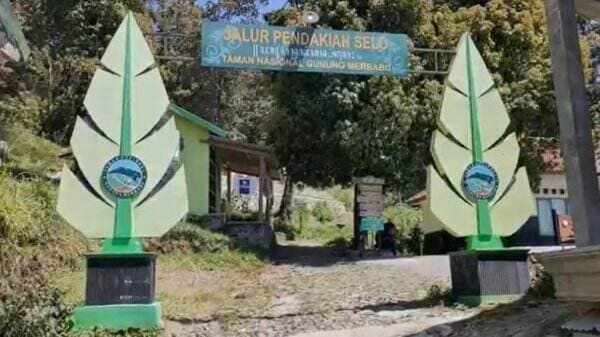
(303,49)
(371,224)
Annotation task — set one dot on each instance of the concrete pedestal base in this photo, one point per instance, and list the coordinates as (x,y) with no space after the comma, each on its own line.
(120,293)
(489,276)
(118,316)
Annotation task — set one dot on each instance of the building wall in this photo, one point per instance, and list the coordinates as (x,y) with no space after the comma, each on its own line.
(552,186)
(196,161)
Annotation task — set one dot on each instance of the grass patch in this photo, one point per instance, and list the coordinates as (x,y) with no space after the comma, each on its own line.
(190,238)
(213,260)
(304,226)
(30,153)
(72,286)
(343,195)
(325,233)
(28,220)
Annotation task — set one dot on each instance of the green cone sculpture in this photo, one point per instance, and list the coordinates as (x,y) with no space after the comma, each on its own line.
(474,189)
(125,152)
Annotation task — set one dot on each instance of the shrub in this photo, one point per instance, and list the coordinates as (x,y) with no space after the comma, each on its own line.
(438,294)
(33,154)
(190,238)
(343,195)
(28,218)
(287,229)
(322,212)
(407,220)
(542,284)
(29,305)
(414,241)
(403,216)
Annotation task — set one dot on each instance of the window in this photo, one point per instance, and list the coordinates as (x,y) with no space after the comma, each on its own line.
(554,191)
(562,191)
(545,219)
(545,209)
(559,206)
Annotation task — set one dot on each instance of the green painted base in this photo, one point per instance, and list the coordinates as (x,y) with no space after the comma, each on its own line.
(488,299)
(122,246)
(484,242)
(118,316)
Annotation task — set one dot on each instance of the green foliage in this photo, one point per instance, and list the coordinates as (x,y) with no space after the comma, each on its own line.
(328,128)
(343,195)
(237,100)
(303,225)
(325,233)
(190,238)
(29,306)
(27,215)
(47,93)
(190,245)
(322,212)
(403,216)
(30,153)
(407,220)
(414,241)
(437,294)
(215,260)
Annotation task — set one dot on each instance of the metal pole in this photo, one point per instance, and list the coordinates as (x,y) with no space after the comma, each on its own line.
(574,119)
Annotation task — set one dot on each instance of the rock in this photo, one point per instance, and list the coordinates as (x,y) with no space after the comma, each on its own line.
(443,330)
(238,295)
(395,314)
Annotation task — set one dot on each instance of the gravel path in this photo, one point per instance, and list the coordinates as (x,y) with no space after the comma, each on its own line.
(316,295)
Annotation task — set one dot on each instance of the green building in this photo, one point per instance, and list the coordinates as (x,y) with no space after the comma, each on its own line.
(207,155)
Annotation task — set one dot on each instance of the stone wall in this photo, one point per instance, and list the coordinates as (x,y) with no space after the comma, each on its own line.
(251,234)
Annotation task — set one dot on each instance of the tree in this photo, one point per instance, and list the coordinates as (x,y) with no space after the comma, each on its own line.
(235,99)
(329,128)
(44,95)
(382,125)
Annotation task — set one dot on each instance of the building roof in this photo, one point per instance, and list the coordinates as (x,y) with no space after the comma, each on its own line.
(197,120)
(245,158)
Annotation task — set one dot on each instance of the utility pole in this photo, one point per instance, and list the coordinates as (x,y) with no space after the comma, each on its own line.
(574,119)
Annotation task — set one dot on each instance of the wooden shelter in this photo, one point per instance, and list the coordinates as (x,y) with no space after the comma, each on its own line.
(255,160)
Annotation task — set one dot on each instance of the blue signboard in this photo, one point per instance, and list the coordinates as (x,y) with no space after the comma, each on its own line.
(371,224)
(244,186)
(303,49)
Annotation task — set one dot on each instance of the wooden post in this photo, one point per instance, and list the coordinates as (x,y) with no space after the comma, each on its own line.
(269,199)
(261,189)
(228,210)
(574,119)
(217,173)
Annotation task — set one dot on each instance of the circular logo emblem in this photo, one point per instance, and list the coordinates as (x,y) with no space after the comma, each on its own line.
(124,176)
(480,181)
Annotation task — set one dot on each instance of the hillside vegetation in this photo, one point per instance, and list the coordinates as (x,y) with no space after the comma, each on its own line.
(41,256)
